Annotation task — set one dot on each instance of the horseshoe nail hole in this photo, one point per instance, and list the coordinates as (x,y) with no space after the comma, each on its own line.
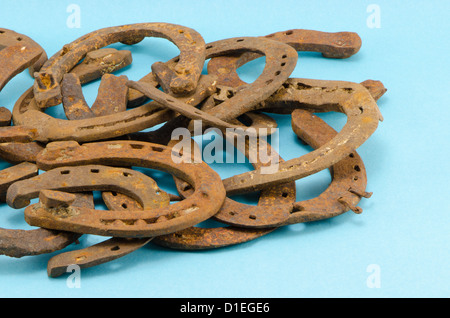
(19,39)
(204,194)
(357,168)
(157,149)
(115,248)
(361,109)
(176,60)
(95,170)
(124,205)
(209,47)
(303,86)
(232,213)
(289,32)
(283,64)
(240,40)
(136,146)
(269,81)
(114,194)
(2,32)
(351,155)
(65,172)
(284,56)
(277,73)
(170,100)
(80,258)
(285,194)
(177,235)
(355,178)
(180,31)
(186,187)
(252,217)
(126,174)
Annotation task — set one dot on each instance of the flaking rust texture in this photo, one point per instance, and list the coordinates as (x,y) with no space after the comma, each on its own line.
(17,53)
(207,199)
(47,88)
(103,146)
(19,243)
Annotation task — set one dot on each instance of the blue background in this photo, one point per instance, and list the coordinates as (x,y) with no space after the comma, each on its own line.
(404,228)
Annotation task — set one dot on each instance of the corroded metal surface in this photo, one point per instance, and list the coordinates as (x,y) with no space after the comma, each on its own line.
(26,112)
(185,77)
(17,53)
(112,98)
(180,107)
(331,45)
(105,251)
(252,120)
(112,95)
(100,62)
(197,238)
(5,116)
(337,197)
(15,173)
(138,210)
(274,74)
(348,175)
(276,201)
(281,60)
(97,254)
(110,249)
(346,189)
(17,134)
(352,99)
(19,243)
(56,199)
(203,203)
(75,106)
(88,178)
(17,152)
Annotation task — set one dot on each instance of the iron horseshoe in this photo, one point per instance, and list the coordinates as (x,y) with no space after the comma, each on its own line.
(204,203)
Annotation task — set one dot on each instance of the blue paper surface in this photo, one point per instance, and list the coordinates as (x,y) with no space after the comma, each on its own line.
(402,237)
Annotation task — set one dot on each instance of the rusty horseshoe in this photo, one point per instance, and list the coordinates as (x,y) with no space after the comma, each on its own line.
(184,79)
(205,202)
(353,99)
(17,53)
(331,45)
(19,243)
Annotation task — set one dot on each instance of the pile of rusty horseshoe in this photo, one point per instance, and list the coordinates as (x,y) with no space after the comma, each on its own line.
(61,162)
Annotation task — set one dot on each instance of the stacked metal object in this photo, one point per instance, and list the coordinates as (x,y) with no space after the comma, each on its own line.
(95,148)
